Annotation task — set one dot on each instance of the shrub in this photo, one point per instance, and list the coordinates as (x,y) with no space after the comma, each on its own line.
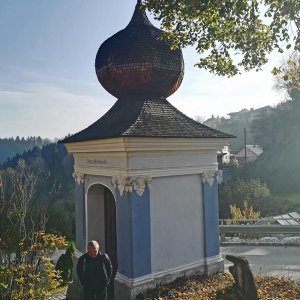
(236,192)
(65,264)
(30,275)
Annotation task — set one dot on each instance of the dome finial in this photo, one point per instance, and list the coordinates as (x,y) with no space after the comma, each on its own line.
(139,15)
(136,61)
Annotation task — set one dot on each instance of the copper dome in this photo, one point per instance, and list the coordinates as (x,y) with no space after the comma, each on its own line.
(136,61)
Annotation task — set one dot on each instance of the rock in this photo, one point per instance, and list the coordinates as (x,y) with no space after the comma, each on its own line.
(243,277)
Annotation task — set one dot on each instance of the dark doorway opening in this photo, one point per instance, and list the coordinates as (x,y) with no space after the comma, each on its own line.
(110,235)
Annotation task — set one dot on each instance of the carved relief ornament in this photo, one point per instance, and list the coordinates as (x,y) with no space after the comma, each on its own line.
(209,176)
(78,176)
(128,184)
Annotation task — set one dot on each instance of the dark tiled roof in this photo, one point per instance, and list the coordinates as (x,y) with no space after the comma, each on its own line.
(145,118)
(136,60)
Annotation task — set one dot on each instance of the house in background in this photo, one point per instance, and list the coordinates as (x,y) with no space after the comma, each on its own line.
(250,115)
(244,115)
(215,122)
(223,157)
(251,154)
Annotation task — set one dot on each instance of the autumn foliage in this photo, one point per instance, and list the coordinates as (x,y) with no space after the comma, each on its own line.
(26,270)
(31,275)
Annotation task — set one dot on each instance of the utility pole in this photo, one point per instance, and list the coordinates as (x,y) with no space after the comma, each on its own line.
(245,142)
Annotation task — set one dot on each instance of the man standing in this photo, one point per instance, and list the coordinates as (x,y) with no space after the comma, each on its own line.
(94,271)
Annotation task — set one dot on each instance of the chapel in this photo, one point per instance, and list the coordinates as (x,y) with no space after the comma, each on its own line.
(146,174)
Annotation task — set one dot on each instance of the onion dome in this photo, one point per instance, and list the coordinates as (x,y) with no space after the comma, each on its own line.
(137,61)
(138,67)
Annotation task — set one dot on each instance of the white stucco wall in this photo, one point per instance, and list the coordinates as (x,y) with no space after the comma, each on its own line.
(177,233)
(171,160)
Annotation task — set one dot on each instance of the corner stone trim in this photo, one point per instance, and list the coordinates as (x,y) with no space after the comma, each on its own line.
(128,184)
(78,176)
(209,176)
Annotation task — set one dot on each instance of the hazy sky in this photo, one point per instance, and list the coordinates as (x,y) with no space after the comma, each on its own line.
(48,85)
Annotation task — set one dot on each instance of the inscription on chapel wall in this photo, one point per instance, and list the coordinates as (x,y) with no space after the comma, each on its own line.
(96,162)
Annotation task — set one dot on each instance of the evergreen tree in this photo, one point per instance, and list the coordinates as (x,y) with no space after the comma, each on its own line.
(65,264)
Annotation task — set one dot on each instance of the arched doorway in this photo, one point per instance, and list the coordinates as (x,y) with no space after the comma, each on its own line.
(101,224)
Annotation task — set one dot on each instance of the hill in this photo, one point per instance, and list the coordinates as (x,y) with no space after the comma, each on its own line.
(236,123)
(9,147)
(54,193)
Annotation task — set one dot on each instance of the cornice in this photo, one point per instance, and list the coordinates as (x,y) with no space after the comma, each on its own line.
(142,144)
(132,154)
(157,172)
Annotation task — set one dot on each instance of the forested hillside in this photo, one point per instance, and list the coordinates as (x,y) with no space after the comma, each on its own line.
(54,193)
(9,147)
(236,126)
(271,183)
(279,136)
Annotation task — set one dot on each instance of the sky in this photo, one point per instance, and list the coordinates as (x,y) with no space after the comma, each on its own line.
(48,85)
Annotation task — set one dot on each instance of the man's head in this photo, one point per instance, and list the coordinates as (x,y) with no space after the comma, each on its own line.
(93,248)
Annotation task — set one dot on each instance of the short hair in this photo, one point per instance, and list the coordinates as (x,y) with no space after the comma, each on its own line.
(93,243)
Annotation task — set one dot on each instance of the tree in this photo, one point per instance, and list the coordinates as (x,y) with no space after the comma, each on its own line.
(26,271)
(246,213)
(279,135)
(65,264)
(18,188)
(55,186)
(31,276)
(281,127)
(199,119)
(10,147)
(230,35)
(236,128)
(288,76)
(236,192)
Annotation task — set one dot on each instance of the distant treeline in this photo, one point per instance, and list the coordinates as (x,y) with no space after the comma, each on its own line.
(9,147)
(50,160)
(55,188)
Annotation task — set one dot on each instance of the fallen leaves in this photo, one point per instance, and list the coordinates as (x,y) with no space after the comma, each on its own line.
(220,287)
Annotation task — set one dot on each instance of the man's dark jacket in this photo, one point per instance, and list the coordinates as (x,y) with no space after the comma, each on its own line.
(94,273)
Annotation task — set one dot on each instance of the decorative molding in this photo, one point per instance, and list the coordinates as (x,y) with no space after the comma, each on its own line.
(78,176)
(209,176)
(133,282)
(128,184)
(164,276)
(154,172)
(147,144)
(204,262)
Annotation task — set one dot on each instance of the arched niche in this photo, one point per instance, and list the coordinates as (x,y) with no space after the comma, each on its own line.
(101,219)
